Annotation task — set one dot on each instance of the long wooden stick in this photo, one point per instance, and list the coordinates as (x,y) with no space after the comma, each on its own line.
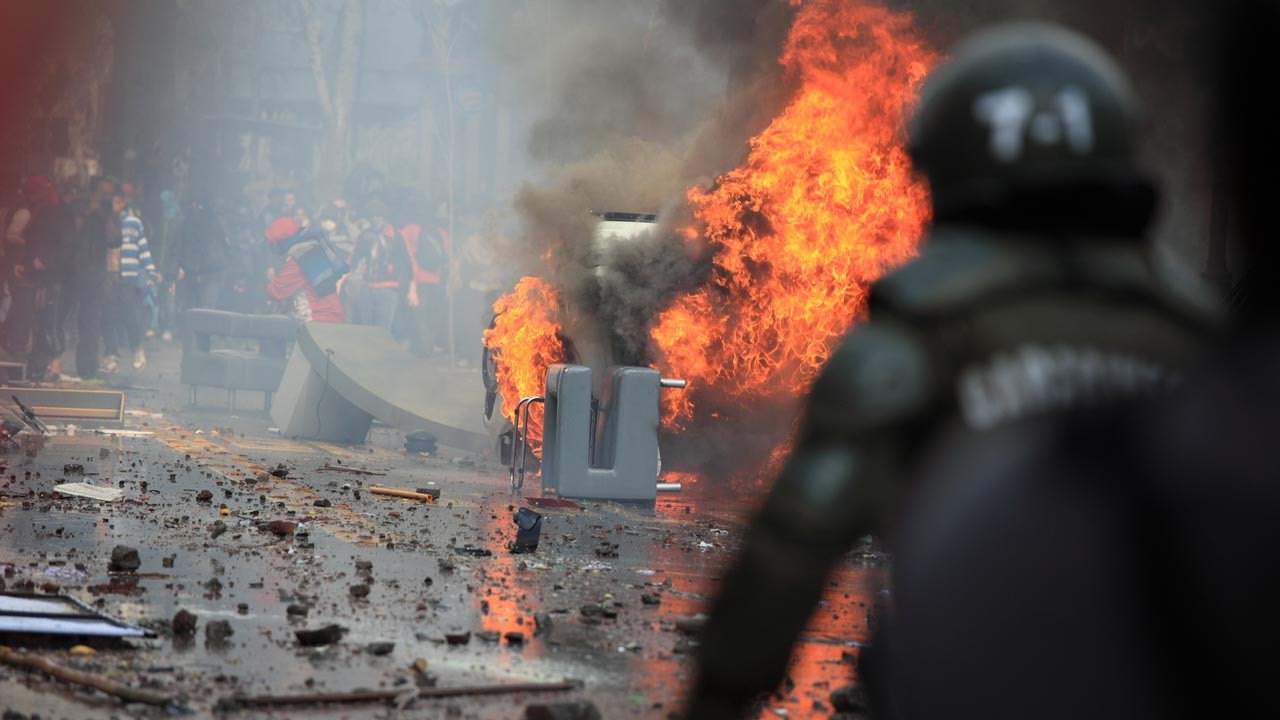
(124,692)
(382,695)
(401,493)
(345,469)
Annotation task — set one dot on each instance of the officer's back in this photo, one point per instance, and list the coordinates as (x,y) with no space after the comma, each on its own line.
(1120,562)
(1034,294)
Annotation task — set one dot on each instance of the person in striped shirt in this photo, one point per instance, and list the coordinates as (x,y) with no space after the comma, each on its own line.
(137,274)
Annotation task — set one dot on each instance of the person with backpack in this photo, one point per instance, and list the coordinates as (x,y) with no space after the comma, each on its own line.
(306,283)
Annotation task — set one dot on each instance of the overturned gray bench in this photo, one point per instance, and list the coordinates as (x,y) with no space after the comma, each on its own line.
(341,377)
(204,365)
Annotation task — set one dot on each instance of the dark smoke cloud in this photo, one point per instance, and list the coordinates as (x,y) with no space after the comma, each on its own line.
(641,100)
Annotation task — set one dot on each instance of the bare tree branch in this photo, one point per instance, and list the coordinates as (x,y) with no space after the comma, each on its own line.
(349,62)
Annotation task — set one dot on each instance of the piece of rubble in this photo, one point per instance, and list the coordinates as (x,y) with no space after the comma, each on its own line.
(473,551)
(580,710)
(297,610)
(850,699)
(280,528)
(184,623)
(326,635)
(204,496)
(514,637)
(124,559)
(380,648)
(541,623)
(360,591)
(217,631)
(528,531)
(323,503)
(691,624)
(217,529)
(457,638)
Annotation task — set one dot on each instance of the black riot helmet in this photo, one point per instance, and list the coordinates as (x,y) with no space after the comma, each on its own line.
(1031,126)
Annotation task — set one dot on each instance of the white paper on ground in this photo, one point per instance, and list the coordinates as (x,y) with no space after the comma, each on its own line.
(93,492)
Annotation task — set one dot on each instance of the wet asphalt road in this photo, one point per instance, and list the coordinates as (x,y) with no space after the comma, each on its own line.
(385,569)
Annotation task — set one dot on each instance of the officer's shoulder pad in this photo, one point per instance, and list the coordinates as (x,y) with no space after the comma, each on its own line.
(880,375)
(957,268)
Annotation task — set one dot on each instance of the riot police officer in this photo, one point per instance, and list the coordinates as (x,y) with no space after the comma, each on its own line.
(1118,562)
(1033,295)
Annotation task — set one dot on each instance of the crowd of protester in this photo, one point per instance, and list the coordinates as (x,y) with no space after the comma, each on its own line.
(91,267)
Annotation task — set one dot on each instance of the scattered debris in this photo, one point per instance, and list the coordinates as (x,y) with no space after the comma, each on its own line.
(73,469)
(541,623)
(691,624)
(280,471)
(850,699)
(581,710)
(184,623)
(421,442)
(380,648)
(217,529)
(547,502)
(92,492)
(204,496)
(473,551)
(528,531)
(280,528)
(360,591)
(76,677)
(322,503)
(385,695)
(407,494)
(217,631)
(458,638)
(343,469)
(116,432)
(28,614)
(124,559)
(326,635)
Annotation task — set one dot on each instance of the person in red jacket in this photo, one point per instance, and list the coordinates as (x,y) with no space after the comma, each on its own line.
(305,284)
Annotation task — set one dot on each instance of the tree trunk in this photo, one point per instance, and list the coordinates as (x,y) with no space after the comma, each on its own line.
(334,161)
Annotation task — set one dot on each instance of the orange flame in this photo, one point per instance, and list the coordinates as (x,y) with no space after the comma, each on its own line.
(526,339)
(824,204)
